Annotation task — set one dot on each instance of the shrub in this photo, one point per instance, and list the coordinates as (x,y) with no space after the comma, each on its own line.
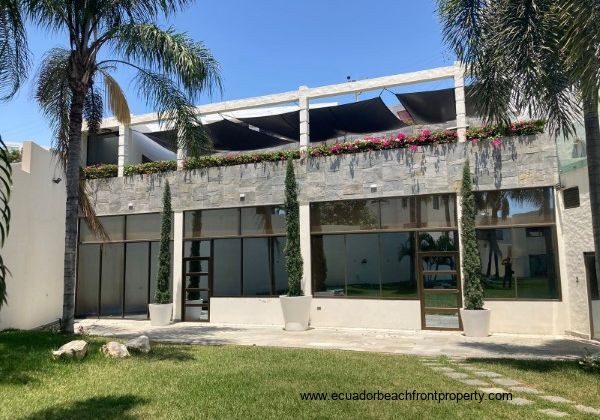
(162,294)
(471,259)
(150,167)
(590,362)
(100,171)
(293,258)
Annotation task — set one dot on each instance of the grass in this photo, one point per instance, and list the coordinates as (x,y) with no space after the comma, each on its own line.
(234,382)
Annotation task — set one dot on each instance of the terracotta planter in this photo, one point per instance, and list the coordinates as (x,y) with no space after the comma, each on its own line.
(160,314)
(476,323)
(296,312)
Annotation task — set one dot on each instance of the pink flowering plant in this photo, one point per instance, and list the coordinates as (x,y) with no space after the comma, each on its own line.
(424,137)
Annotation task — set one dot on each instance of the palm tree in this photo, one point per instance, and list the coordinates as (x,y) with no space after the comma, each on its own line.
(536,56)
(5,186)
(171,71)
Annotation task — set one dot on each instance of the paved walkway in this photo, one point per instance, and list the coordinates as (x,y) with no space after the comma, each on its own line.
(490,382)
(422,343)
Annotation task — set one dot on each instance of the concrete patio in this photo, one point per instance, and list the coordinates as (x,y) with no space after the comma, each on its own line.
(422,343)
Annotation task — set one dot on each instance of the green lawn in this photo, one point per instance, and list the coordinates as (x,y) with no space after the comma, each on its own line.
(238,382)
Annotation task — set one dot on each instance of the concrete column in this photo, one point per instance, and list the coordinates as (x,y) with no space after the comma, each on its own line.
(304,119)
(305,247)
(459,96)
(177,264)
(124,140)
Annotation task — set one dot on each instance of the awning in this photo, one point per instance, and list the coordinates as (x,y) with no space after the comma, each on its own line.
(435,106)
(363,117)
(228,135)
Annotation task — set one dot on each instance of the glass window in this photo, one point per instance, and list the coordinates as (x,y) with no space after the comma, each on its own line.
(518,206)
(398,278)
(515,264)
(196,249)
(113,225)
(136,279)
(111,290)
(227,267)
(280,278)
(143,226)
(438,241)
(436,210)
(257,276)
(88,280)
(341,216)
(398,213)
(263,220)
(362,265)
(328,265)
(212,223)
(103,149)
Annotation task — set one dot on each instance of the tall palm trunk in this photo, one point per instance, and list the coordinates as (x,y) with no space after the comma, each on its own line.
(592,139)
(72,208)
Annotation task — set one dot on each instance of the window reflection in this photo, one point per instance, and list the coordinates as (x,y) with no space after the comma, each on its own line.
(517,264)
(518,206)
(345,215)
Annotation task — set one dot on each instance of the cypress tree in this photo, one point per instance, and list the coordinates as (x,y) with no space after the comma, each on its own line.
(471,260)
(293,258)
(162,294)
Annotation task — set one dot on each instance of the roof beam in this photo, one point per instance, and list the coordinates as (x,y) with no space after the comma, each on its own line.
(430,75)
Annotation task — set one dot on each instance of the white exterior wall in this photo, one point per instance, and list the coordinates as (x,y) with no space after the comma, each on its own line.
(528,317)
(574,229)
(34,251)
(349,313)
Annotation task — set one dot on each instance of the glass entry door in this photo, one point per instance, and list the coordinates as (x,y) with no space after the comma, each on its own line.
(197,281)
(439,281)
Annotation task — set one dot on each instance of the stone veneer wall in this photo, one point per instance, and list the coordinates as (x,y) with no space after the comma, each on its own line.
(519,162)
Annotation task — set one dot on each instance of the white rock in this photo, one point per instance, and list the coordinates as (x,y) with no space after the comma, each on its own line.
(114,349)
(76,349)
(142,343)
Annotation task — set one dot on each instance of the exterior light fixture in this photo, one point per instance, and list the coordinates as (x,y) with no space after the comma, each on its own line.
(130,205)
(373,187)
(242,197)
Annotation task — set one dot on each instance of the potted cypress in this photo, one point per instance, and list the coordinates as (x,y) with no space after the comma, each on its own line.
(295,306)
(475,318)
(162,308)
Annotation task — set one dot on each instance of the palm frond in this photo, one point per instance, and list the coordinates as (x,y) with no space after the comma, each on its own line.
(93,109)
(117,103)
(53,95)
(5,188)
(581,42)
(14,52)
(513,54)
(173,54)
(174,110)
(89,214)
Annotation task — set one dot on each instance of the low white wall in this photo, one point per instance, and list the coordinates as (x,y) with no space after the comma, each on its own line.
(347,313)
(366,313)
(596,319)
(34,250)
(528,317)
(253,311)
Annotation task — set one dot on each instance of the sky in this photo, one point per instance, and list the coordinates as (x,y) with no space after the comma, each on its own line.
(270,46)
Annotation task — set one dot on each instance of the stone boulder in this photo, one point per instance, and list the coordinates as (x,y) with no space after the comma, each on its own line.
(141,344)
(114,349)
(76,349)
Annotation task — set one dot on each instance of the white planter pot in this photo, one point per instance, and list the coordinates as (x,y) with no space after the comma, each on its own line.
(160,314)
(296,312)
(476,323)
(194,313)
